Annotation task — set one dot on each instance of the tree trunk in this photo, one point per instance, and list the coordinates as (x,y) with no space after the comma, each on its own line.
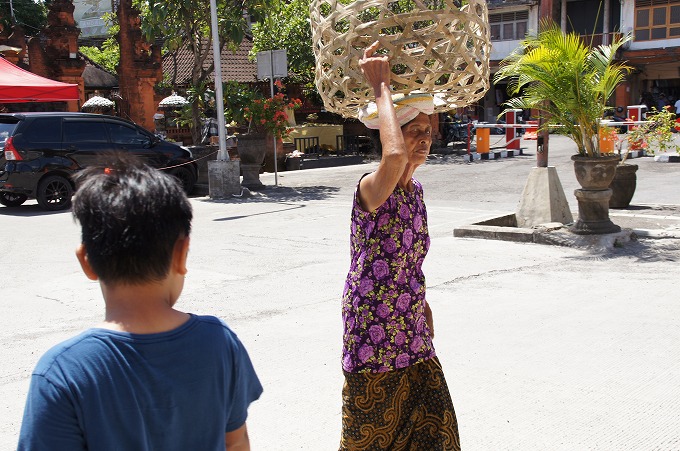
(197,124)
(198,76)
(542,142)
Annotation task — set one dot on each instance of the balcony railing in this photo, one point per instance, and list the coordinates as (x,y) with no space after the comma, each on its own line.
(593,40)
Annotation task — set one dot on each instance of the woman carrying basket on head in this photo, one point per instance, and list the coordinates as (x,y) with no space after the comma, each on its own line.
(395,395)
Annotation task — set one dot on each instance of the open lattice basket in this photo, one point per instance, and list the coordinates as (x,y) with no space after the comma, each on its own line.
(436,46)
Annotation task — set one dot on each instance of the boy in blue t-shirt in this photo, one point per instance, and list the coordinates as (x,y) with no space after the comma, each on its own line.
(149,377)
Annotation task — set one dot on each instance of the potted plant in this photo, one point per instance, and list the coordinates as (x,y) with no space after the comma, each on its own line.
(569,83)
(655,134)
(267,119)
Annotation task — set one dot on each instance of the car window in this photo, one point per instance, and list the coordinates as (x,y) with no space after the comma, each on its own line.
(43,130)
(5,132)
(126,134)
(84,131)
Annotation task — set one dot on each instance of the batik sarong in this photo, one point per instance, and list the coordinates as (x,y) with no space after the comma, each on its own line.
(406,409)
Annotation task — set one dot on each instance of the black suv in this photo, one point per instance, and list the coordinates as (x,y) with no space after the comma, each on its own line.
(40,151)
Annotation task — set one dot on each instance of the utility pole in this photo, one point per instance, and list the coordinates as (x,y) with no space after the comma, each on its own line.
(223,174)
(219,96)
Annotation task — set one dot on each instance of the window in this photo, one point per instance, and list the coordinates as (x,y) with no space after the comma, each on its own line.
(124,134)
(5,131)
(84,131)
(657,19)
(509,26)
(44,130)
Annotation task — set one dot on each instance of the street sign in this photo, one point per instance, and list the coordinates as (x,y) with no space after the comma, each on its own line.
(270,61)
(272,64)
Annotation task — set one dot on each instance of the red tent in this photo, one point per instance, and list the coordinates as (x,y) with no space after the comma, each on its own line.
(18,85)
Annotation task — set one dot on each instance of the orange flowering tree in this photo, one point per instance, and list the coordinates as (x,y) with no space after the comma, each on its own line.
(269,114)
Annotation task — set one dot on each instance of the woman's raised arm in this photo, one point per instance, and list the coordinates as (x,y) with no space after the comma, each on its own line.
(375,188)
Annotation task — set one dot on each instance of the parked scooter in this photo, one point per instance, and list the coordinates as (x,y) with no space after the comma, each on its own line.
(455,131)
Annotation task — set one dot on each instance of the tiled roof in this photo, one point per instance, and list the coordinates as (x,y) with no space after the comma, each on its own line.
(235,65)
(96,77)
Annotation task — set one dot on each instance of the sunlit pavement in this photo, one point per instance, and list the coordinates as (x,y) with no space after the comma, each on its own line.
(544,347)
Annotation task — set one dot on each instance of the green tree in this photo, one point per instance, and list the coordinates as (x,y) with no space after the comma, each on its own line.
(287,26)
(187,22)
(237,97)
(107,56)
(30,14)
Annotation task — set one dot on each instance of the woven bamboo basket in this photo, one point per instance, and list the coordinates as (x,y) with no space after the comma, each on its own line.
(437,46)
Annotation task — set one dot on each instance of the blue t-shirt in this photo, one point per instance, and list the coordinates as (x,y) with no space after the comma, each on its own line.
(108,390)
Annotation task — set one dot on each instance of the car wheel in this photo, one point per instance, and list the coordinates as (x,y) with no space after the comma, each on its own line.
(185,177)
(12,199)
(54,193)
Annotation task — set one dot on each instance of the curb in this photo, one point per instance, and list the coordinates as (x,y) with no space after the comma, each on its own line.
(472,156)
(560,236)
(667,158)
(503,228)
(657,233)
(637,154)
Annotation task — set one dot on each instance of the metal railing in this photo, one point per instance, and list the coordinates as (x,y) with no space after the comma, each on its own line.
(307,144)
(593,40)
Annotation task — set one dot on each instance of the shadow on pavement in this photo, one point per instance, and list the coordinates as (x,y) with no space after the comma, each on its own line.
(29,211)
(279,194)
(435,158)
(643,250)
(231,218)
(654,208)
(443,159)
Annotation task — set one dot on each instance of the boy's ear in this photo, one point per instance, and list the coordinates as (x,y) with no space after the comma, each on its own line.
(85,263)
(180,255)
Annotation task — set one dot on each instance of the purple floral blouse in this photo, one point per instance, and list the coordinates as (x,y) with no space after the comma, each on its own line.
(383,307)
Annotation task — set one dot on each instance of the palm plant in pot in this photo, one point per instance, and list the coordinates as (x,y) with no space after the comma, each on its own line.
(569,83)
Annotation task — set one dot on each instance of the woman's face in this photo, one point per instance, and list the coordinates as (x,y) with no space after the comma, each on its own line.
(418,138)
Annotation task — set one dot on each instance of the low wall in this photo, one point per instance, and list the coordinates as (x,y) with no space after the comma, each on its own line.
(327,134)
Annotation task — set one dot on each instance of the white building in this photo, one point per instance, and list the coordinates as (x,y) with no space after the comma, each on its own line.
(654,50)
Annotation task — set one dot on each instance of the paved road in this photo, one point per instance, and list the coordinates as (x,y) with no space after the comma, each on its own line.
(544,347)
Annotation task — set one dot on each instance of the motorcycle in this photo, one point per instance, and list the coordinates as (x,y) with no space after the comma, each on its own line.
(456,131)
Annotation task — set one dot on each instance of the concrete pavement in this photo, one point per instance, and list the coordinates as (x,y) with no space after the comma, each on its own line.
(544,347)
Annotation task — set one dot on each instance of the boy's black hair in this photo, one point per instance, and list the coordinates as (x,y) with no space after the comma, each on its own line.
(131,216)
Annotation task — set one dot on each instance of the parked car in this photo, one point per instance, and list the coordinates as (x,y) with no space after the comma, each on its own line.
(39,152)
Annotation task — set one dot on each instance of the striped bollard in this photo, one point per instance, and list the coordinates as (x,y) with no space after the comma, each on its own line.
(511,136)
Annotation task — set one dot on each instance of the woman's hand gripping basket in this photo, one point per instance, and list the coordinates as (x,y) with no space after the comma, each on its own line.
(436,46)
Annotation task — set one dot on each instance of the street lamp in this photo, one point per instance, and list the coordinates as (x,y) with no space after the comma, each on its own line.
(219,99)
(223,174)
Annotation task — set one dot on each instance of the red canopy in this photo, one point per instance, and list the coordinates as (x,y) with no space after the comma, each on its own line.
(18,85)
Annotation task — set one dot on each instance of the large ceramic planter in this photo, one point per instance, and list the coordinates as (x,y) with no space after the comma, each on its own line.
(251,150)
(269,154)
(623,185)
(594,174)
